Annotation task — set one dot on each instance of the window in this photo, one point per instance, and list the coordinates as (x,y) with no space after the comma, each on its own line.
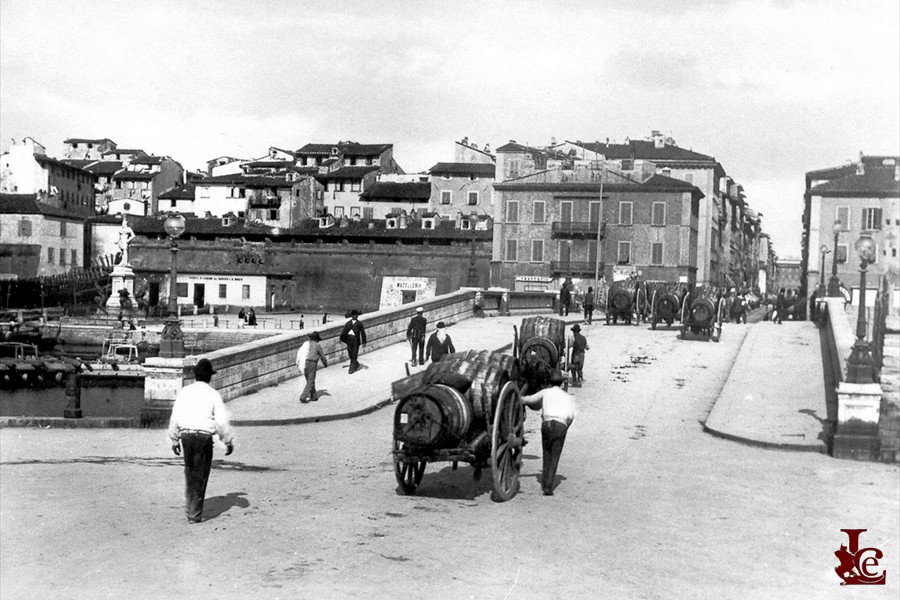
(627,164)
(592,252)
(841,255)
(512,168)
(446,196)
(245,292)
(512,247)
(656,253)
(51,255)
(842,214)
(625,213)
(624,257)
(538,211)
(74,261)
(338,212)
(24,228)
(368,212)
(62,229)
(565,212)
(594,212)
(871,218)
(181,290)
(659,214)
(354,186)
(62,257)
(223,290)
(273,214)
(512,211)
(473,198)
(537,250)
(354,211)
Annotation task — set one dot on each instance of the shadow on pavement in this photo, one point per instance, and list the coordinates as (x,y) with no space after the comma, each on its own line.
(141,461)
(215,506)
(448,484)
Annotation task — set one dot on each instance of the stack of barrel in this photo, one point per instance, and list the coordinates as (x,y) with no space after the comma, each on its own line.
(449,402)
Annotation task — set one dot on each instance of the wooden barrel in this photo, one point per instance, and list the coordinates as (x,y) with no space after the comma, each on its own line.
(621,299)
(438,416)
(703,312)
(668,306)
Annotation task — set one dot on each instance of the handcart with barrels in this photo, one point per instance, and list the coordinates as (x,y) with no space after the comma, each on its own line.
(464,408)
(702,313)
(542,347)
(622,301)
(665,302)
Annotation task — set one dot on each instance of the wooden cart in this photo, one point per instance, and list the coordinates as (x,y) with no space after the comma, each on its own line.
(702,314)
(465,408)
(541,346)
(665,302)
(622,302)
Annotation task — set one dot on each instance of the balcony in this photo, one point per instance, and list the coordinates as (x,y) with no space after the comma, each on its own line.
(577,230)
(574,268)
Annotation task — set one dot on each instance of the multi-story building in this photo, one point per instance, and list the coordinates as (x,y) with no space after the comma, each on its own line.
(848,202)
(37,238)
(574,222)
(386,199)
(124,155)
(330,157)
(87,149)
(26,169)
(343,187)
(462,187)
(135,188)
(469,152)
(276,199)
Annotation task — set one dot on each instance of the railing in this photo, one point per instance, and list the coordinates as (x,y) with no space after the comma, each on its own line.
(879,323)
(575,228)
(558,267)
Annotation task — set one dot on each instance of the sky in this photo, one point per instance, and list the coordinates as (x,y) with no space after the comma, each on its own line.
(770,88)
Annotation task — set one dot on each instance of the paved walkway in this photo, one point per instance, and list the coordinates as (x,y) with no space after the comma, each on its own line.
(775,394)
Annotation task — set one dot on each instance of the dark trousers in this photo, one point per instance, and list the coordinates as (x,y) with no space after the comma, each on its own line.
(417,343)
(553,437)
(353,353)
(309,372)
(198,453)
(588,312)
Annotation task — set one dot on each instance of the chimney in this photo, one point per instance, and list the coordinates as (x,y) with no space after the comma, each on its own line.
(860,166)
(487,148)
(658,140)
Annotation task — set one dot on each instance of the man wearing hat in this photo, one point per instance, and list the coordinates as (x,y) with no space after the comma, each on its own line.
(415,333)
(353,335)
(308,357)
(197,415)
(557,413)
(439,344)
(576,364)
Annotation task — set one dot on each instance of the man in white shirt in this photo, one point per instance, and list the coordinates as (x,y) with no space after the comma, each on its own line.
(197,415)
(557,413)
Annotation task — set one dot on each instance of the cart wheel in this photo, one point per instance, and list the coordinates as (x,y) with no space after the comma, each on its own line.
(684,318)
(639,302)
(507,442)
(409,475)
(515,342)
(653,318)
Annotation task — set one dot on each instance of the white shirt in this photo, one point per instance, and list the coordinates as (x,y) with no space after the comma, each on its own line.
(555,405)
(199,407)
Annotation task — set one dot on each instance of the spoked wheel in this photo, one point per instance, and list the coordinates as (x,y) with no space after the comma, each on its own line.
(640,300)
(507,440)
(409,475)
(515,342)
(653,318)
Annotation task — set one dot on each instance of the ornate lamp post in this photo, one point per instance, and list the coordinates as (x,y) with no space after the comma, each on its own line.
(171,344)
(834,284)
(860,366)
(824,250)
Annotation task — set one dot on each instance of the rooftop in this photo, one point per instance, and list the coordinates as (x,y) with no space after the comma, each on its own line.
(28,204)
(463,169)
(86,141)
(874,181)
(105,167)
(347,148)
(348,173)
(646,150)
(386,191)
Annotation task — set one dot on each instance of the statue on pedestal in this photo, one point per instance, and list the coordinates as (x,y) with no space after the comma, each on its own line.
(126,234)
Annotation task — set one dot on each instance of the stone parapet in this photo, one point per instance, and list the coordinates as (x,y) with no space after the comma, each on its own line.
(859,411)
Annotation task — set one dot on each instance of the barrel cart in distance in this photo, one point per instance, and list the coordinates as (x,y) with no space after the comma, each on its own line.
(703,315)
(665,303)
(622,302)
(541,346)
(464,408)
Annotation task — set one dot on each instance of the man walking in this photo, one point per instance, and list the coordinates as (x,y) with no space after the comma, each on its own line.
(557,413)
(353,335)
(579,346)
(308,357)
(197,415)
(439,344)
(589,306)
(415,333)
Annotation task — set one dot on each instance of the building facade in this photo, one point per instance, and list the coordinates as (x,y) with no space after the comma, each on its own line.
(462,188)
(37,238)
(87,149)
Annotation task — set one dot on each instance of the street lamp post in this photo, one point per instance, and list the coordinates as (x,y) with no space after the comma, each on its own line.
(171,344)
(824,250)
(860,365)
(834,284)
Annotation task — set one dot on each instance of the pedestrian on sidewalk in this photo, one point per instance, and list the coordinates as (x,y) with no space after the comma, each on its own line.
(565,299)
(354,336)
(589,306)
(439,344)
(251,318)
(415,333)
(242,318)
(197,415)
(579,346)
(557,413)
(780,307)
(308,357)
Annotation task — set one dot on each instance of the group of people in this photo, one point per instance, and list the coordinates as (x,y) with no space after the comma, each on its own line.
(785,306)
(247,318)
(439,343)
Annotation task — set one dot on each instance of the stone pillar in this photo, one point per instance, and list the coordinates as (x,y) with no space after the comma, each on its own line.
(122,278)
(164,378)
(859,409)
(73,396)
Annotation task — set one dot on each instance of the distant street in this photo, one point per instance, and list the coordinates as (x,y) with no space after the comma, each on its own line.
(647,506)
